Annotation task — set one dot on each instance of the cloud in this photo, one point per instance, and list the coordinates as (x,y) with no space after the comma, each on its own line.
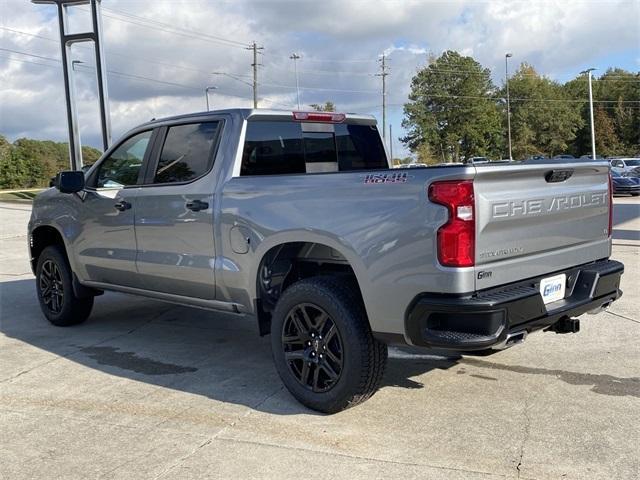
(155,72)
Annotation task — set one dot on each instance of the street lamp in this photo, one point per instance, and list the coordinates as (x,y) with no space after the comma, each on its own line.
(206,94)
(507,56)
(295,57)
(593,132)
(74,63)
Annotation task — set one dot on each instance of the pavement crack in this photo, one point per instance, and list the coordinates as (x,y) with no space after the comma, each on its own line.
(621,316)
(358,457)
(263,401)
(183,458)
(525,434)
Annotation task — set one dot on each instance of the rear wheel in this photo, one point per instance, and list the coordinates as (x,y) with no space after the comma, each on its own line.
(54,286)
(323,347)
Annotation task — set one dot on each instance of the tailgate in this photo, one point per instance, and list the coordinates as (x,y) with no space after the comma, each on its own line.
(537,219)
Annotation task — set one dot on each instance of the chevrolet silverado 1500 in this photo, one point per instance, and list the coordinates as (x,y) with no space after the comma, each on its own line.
(296,219)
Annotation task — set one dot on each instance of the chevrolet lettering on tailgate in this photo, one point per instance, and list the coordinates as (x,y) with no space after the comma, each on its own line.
(519,208)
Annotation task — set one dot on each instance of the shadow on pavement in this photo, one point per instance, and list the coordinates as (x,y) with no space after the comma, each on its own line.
(215,355)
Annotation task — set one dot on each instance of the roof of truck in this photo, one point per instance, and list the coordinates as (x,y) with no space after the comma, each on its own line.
(255,112)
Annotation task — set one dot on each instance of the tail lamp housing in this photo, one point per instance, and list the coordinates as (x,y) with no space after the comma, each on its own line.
(456,239)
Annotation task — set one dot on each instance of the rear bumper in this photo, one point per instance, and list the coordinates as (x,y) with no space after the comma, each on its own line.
(486,319)
(626,189)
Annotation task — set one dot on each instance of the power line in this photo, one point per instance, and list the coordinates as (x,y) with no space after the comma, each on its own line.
(173,27)
(30,54)
(112,72)
(28,61)
(130,57)
(165,27)
(336,61)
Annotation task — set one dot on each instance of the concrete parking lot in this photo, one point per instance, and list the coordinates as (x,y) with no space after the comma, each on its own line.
(145,389)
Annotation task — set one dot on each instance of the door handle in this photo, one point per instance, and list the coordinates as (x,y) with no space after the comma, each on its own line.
(122,205)
(197,205)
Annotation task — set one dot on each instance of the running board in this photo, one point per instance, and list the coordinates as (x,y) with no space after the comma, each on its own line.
(215,305)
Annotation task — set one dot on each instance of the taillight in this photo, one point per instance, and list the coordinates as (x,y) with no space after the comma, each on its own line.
(456,238)
(328,117)
(610,205)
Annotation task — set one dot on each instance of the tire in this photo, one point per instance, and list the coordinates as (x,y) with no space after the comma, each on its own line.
(54,286)
(349,362)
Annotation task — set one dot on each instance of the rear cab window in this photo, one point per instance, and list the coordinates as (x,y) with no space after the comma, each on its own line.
(278,147)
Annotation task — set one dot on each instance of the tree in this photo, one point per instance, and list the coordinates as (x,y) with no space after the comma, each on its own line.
(607,141)
(452,109)
(28,163)
(544,120)
(327,107)
(425,154)
(616,94)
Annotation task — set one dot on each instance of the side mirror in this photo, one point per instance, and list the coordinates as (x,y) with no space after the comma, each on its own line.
(70,181)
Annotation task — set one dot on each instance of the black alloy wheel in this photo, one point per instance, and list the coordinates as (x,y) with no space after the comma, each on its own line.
(54,287)
(313,347)
(51,286)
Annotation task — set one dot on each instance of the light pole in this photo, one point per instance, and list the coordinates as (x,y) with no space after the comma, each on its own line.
(74,63)
(593,132)
(206,94)
(295,57)
(507,56)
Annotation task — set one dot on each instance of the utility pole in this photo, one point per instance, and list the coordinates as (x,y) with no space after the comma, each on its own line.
(391,143)
(593,132)
(506,79)
(383,73)
(295,57)
(255,64)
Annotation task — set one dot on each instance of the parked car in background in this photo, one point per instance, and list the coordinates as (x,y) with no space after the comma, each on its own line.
(564,157)
(626,166)
(625,185)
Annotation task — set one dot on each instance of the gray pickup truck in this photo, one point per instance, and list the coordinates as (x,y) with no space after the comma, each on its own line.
(295,219)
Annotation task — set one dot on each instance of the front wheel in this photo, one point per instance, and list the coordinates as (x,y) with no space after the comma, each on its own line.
(322,345)
(54,285)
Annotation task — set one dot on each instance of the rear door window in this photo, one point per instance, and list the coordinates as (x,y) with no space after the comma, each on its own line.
(285,147)
(187,152)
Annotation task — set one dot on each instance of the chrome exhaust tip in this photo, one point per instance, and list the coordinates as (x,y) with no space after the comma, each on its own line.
(601,308)
(512,339)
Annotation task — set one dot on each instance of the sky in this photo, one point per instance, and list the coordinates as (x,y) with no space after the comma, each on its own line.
(161,54)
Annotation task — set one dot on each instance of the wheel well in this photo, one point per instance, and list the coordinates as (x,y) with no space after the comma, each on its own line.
(40,239)
(287,263)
